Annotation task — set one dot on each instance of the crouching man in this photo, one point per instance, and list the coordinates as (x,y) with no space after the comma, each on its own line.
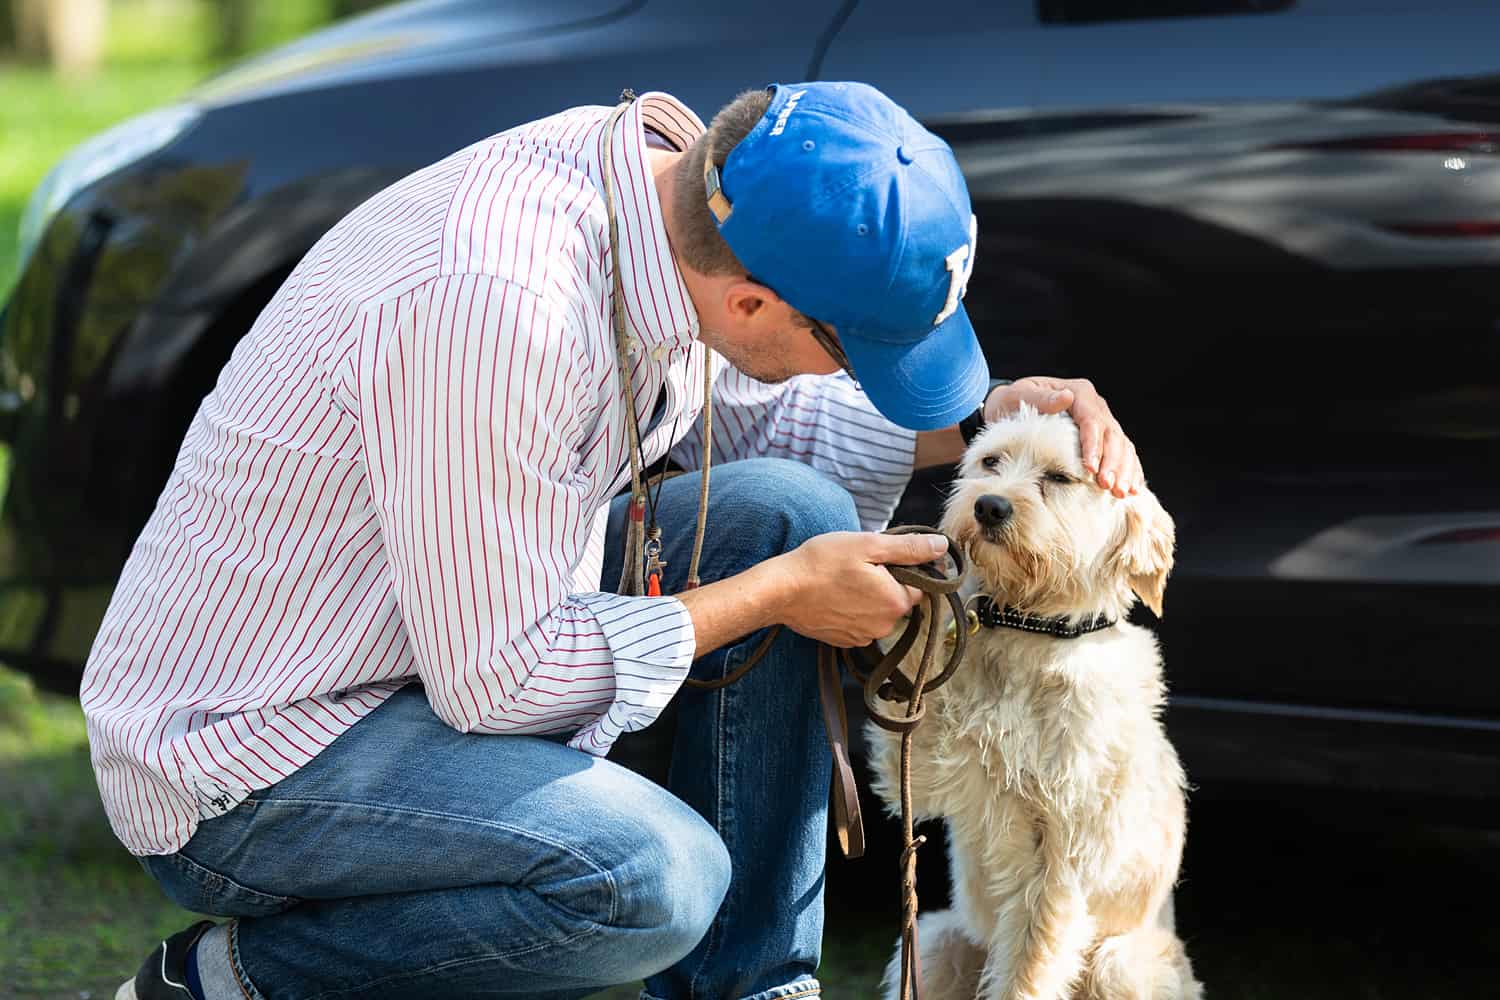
(357,684)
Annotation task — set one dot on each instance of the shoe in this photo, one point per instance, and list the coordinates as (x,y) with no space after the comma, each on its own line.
(163,974)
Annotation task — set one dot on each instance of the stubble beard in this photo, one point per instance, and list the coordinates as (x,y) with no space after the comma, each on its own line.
(761,364)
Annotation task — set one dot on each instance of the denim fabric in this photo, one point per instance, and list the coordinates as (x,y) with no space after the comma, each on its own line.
(408,859)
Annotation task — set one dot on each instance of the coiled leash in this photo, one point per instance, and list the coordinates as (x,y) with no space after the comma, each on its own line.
(882,681)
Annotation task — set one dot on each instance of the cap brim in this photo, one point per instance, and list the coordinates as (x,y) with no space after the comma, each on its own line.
(927,385)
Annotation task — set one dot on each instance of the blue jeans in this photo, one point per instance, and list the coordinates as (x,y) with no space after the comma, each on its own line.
(409,859)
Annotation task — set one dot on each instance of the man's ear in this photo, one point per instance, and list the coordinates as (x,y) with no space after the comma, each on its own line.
(1145,554)
(744,300)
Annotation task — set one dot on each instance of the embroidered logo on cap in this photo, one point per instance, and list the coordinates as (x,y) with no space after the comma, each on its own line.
(960,264)
(786,112)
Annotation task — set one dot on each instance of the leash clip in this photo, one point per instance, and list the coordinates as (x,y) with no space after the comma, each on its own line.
(971,618)
(654,563)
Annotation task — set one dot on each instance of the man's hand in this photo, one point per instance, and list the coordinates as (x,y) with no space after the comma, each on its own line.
(1107,452)
(839,593)
(832,588)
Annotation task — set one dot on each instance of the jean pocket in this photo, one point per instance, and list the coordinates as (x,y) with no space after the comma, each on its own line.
(199,888)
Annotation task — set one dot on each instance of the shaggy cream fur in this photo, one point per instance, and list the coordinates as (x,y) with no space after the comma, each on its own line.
(1063,798)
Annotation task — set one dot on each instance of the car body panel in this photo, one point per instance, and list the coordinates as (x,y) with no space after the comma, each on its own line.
(409,40)
(1315,388)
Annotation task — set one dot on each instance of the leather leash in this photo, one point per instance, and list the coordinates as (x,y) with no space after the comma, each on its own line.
(884,683)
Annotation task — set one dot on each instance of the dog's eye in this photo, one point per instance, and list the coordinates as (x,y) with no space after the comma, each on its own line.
(991,462)
(1058,477)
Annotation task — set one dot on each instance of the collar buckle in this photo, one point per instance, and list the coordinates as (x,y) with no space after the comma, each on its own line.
(718,201)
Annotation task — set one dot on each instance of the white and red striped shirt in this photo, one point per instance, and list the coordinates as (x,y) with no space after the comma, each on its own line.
(405,470)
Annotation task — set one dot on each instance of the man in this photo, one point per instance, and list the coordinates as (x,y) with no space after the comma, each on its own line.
(408,472)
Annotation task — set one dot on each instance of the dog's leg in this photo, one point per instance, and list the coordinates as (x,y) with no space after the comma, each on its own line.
(951,962)
(1166,917)
(1147,964)
(1139,956)
(1043,931)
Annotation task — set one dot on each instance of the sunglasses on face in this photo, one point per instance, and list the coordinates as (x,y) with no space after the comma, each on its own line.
(825,337)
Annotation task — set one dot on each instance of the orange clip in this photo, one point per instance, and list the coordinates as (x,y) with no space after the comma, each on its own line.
(653,585)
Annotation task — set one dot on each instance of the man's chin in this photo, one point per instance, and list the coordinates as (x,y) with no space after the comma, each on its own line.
(769,378)
(759,369)
(761,366)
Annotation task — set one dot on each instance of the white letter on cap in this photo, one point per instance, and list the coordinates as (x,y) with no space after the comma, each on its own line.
(786,112)
(960,265)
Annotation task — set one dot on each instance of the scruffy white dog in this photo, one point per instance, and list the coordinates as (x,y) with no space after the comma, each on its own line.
(1063,798)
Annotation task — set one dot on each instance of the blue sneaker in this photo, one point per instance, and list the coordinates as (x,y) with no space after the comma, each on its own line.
(163,975)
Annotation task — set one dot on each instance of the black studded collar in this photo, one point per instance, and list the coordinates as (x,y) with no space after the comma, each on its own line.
(992,615)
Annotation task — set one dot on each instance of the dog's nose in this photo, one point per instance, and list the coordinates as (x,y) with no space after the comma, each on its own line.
(990,510)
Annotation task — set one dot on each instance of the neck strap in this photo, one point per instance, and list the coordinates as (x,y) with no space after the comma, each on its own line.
(633,574)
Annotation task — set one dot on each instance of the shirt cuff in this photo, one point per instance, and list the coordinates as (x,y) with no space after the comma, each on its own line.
(653,642)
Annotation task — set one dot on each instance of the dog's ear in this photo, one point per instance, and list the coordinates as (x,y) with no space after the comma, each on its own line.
(1145,554)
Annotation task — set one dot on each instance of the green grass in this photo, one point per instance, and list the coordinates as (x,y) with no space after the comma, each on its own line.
(154,54)
(43,116)
(77,913)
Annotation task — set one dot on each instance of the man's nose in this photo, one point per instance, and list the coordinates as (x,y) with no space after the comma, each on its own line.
(992,511)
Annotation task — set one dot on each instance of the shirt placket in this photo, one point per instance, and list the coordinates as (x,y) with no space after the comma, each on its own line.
(670,377)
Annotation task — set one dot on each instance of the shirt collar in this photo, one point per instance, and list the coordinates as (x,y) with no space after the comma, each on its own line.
(657,306)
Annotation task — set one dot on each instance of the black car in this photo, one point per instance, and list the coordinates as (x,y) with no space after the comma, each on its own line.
(1269,229)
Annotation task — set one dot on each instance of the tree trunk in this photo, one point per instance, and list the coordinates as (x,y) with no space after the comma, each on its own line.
(7,29)
(233,27)
(67,33)
(344,8)
(30,20)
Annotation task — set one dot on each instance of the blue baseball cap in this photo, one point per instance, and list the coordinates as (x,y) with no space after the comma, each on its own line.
(856,215)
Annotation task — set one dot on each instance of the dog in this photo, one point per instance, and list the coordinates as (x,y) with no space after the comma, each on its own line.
(1065,803)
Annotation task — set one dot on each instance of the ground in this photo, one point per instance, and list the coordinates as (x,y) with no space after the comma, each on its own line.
(1279,901)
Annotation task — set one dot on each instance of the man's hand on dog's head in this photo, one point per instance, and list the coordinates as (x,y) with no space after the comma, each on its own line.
(1107,453)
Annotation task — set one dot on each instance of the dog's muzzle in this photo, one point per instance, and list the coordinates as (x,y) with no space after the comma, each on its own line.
(992,512)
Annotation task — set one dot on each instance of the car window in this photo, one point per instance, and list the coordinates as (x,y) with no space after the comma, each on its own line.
(1095,11)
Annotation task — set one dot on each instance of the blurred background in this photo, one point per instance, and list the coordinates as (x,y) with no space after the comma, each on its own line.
(1268,229)
(70,68)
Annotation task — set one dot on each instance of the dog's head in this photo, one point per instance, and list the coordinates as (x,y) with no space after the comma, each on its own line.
(1043,536)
